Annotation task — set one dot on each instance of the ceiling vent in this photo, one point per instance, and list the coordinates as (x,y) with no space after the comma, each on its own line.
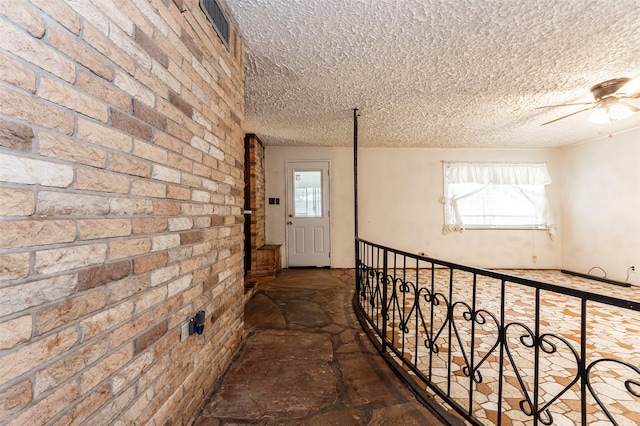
(213,11)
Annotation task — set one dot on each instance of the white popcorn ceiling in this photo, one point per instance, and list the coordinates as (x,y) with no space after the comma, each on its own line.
(428,73)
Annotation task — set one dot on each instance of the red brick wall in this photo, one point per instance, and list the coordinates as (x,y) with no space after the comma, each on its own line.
(257,197)
(121,176)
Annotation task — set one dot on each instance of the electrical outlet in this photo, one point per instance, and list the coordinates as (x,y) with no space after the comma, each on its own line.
(534,258)
(184,331)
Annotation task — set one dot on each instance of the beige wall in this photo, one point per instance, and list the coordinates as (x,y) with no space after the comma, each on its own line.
(601,206)
(121,182)
(399,191)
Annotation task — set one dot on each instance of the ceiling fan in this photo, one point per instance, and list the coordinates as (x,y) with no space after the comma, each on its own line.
(609,104)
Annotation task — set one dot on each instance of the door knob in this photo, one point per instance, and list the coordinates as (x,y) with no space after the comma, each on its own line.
(289,223)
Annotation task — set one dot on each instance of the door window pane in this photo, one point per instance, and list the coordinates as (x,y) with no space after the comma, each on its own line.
(308,193)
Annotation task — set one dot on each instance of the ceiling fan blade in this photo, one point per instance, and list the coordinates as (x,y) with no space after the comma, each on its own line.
(628,105)
(568,115)
(561,105)
(631,88)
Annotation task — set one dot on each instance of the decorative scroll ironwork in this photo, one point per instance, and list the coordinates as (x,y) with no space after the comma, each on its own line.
(499,348)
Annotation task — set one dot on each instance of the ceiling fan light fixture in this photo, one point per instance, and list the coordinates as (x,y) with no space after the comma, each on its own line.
(599,116)
(619,111)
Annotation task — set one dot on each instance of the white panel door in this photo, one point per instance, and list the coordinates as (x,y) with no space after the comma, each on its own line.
(308,237)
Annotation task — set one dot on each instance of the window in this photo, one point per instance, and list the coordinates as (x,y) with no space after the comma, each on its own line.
(496,196)
(308,193)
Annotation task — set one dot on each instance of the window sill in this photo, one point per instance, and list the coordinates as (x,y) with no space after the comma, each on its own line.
(505,228)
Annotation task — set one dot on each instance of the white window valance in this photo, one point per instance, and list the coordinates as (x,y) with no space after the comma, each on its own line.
(498,173)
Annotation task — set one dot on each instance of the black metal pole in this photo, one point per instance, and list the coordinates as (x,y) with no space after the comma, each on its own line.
(355,199)
(355,170)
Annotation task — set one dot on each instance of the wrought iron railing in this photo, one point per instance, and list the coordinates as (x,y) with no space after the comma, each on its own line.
(498,348)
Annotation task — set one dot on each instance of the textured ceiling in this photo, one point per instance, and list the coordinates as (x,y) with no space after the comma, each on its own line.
(450,73)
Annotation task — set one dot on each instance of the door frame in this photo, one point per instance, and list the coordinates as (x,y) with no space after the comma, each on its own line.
(287,206)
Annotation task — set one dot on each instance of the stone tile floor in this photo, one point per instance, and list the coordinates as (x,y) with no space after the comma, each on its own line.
(306,361)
